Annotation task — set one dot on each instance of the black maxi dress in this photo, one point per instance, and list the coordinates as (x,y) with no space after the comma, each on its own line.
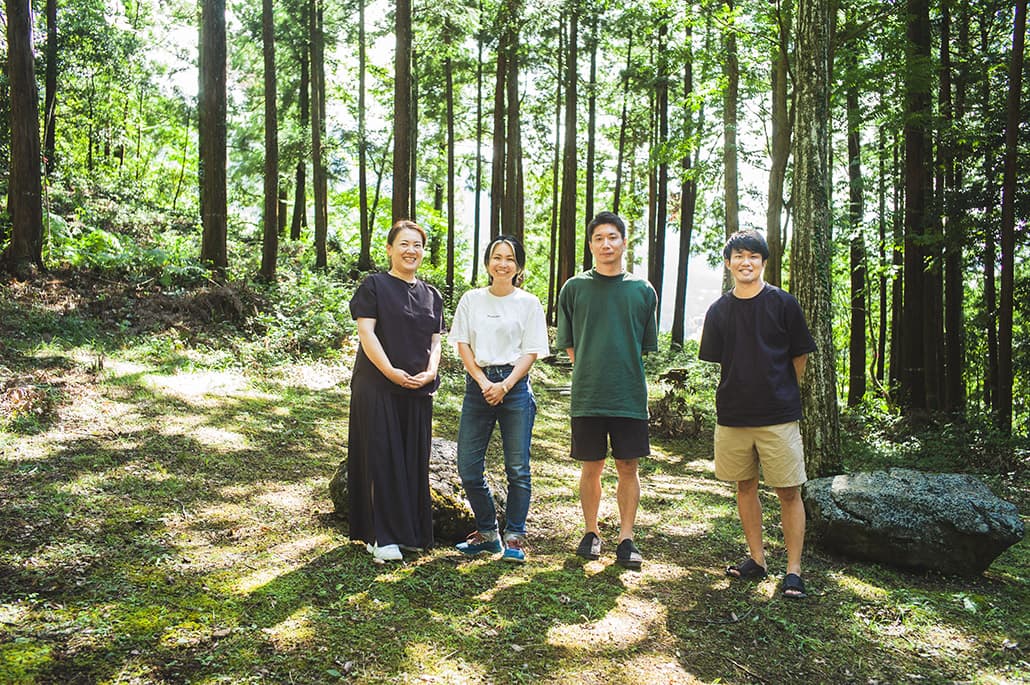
(391,427)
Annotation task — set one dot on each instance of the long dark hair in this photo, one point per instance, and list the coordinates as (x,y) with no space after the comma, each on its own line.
(516,248)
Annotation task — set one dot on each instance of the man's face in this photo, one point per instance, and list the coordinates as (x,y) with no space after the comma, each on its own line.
(745,266)
(607,245)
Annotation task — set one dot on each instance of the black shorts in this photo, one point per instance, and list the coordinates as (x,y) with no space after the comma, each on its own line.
(590,435)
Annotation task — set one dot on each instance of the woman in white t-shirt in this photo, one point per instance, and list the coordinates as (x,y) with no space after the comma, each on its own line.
(500,331)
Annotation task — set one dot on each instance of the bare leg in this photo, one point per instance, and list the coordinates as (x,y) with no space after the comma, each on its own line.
(590,493)
(792,513)
(627,495)
(750,509)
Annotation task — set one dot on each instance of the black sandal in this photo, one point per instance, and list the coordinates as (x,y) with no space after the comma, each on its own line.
(747,570)
(793,587)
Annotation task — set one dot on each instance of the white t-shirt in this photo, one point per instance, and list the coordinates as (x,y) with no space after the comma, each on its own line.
(500,329)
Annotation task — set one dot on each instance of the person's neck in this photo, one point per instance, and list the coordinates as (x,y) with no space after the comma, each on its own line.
(610,270)
(748,290)
(501,288)
(409,278)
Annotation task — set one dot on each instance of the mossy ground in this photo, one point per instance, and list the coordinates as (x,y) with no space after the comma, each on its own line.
(164,518)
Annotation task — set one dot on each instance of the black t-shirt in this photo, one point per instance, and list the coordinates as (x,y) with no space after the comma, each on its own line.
(407,316)
(755,341)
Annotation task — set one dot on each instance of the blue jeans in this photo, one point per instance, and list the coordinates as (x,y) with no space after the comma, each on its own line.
(515,415)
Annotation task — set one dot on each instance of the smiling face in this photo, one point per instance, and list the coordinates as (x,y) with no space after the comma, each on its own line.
(607,246)
(502,266)
(745,266)
(405,252)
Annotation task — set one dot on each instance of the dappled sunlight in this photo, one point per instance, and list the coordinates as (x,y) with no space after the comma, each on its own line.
(428,663)
(629,622)
(258,578)
(296,631)
(315,376)
(217,438)
(11,614)
(660,669)
(300,549)
(858,587)
(200,388)
(290,499)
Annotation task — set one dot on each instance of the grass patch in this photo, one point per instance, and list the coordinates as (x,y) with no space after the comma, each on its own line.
(169,522)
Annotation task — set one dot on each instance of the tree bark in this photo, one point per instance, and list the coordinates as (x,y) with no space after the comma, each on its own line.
(300,210)
(656,260)
(623,124)
(780,149)
(318,170)
(402,110)
(477,206)
(50,106)
(588,209)
(552,262)
(1008,221)
(731,72)
(24,253)
(856,211)
(212,106)
(812,239)
(364,228)
(270,247)
(568,228)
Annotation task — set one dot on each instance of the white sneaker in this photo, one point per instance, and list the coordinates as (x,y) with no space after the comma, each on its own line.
(381,555)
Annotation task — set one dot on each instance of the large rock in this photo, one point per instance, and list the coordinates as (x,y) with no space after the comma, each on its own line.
(452,515)
(945,522)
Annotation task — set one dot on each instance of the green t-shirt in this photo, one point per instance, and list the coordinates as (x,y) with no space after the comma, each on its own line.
(609,322)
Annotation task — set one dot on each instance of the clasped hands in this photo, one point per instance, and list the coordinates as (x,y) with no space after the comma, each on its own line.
(412,381)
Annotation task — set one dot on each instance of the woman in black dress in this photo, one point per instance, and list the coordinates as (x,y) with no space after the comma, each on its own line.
(400,319)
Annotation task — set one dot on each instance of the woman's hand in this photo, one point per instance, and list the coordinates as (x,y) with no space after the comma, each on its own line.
(420,379)
(494,393)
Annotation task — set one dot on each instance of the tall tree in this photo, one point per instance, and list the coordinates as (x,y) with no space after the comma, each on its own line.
(556,170)
(1008,220)
(918,112)
(567,226)
(300,211)
(24,254)
(50,106)
(656,256)
(811,241)
(857,262)
(477,200)
(365,226)
(731,74)
(212,105)
(588,210)
(402,109)
(779,152)
(318,159)
(270,251)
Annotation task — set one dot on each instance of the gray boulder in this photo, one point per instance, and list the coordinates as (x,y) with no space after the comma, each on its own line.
(452,515)
(945,522)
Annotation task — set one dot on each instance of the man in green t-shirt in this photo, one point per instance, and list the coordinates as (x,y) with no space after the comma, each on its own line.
(606,321)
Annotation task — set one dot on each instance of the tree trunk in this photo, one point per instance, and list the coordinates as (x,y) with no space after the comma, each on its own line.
(588,209)
(477,206)
(318,170)
(50,107)
(657,276)
(917,190)
(402,110)
(812,239)
(270,247)
(881,338)
(731,73)
(688,195)
(300,211)
(364,228)
(1008,222)
(413,140)
(897,276)
(212,105)
(990,304)
(449,124)
(780,146)
(499,145)
(552,262)
(623,124)
(24,254)
(512,216)
(856,211)
(568,227)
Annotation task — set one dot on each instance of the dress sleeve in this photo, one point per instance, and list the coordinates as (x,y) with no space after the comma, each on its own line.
(364,304)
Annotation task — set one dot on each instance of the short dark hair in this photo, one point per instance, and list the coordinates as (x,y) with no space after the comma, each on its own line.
(606,218)
(516,248)
(402,224)
(747,239)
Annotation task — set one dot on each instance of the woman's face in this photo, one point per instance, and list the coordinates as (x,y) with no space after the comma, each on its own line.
(502,266)
(406,252)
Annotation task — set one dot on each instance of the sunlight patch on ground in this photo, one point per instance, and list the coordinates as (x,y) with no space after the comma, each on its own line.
(676,486)
(427,663)
(316,376)
(204,388)
(295,631)
(258,578)
(630,622)
(11,614)
(659,668)
(218,439)
(288,499)
(859,588)
(300,549)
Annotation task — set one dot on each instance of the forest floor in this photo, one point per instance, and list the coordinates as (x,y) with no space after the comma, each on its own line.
(164,518)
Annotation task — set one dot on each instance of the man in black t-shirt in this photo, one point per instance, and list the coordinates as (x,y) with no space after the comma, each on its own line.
(758,335)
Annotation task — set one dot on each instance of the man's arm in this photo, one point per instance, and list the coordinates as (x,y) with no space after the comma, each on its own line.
(799,366)
(572,354)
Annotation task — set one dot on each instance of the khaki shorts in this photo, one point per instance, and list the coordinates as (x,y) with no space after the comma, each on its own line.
(740,450)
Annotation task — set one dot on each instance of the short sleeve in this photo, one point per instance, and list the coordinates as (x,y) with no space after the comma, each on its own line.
(650,341)
(364,304)
(534,336)
(801,341)
(563,338)
(710,349)
(460,324)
